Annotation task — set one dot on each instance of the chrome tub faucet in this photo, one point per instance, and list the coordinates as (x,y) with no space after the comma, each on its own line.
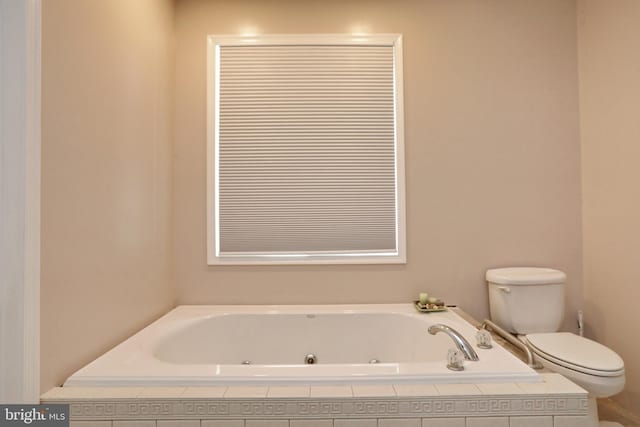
(460,342)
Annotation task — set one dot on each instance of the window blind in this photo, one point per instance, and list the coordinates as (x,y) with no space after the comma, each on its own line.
(306,150)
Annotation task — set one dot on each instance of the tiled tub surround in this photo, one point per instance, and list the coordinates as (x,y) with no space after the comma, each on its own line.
(553,402)
(206,345)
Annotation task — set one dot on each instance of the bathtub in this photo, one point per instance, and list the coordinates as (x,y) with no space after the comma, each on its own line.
(234,345)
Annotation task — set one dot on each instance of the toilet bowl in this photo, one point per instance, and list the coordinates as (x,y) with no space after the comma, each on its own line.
(594,367)
(529,302)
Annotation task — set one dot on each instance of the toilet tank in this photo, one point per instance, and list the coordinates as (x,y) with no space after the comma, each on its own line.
(526,300)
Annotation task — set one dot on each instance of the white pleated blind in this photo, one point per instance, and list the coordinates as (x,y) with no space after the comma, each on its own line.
(306,150)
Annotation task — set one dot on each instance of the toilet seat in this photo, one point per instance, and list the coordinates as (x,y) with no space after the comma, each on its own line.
(577,353)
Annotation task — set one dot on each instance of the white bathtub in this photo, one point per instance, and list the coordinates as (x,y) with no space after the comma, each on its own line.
(206,345)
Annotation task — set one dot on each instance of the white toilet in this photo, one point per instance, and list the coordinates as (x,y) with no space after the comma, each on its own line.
(529,302)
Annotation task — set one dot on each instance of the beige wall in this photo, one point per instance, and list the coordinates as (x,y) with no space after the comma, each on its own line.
(106,175)
(610,110)
(492,148)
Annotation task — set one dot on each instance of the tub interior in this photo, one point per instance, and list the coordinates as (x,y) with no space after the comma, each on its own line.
(207,345)
(344,338)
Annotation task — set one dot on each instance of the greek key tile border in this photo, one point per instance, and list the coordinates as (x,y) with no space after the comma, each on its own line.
(423,407)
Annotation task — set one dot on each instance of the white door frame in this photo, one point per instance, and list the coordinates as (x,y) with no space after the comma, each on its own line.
(20,29)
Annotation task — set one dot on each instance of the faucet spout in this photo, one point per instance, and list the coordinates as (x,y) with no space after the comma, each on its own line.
(460,342)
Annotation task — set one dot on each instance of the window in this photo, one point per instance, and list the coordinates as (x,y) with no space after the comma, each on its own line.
(305,150)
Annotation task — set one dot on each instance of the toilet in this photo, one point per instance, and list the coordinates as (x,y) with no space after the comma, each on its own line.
(529,302)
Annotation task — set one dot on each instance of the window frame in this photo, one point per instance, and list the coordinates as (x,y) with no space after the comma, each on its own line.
(213,78)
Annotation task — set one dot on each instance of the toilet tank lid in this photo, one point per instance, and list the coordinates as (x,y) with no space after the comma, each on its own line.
(525,276)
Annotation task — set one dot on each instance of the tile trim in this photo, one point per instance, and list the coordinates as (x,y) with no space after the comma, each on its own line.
(312,408)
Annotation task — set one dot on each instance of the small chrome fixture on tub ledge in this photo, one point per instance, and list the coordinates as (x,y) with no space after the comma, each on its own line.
(455,360)
(460,342)
(483,339)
